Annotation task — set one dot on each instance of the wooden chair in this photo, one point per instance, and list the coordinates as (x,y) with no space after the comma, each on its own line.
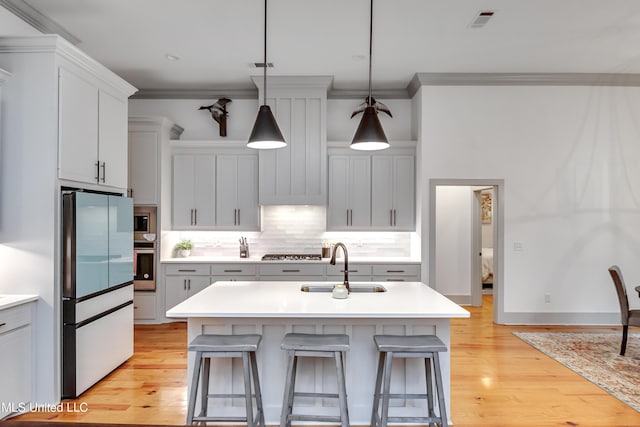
(629,317)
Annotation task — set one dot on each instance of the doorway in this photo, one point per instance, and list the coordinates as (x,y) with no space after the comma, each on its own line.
(456,224)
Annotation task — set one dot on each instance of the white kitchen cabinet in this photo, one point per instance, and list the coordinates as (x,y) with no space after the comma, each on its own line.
(144,306)
(92,130)
(16,358)
(237,192)
(296,174)
(349,192)
(291,272)
(147,136)
(183,281)
(393,192)
(194,191)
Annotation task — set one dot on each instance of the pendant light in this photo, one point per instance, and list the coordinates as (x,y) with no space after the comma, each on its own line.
(266,133)
(370,135)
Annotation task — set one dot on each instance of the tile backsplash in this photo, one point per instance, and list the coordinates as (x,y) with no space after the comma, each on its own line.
(298,229)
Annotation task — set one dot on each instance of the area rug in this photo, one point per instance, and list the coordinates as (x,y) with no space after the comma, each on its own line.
(595,356)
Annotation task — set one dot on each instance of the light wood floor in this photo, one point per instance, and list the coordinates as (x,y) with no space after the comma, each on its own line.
(497,380)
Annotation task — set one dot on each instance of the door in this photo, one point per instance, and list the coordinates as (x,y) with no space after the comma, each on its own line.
(227,191)
(143,170)
(338,210)
(360,191)
(194,178)
(404,193)
(120,240)
(183,190)
(248,210)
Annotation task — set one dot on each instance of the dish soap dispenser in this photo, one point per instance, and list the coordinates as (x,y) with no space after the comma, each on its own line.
(340,291)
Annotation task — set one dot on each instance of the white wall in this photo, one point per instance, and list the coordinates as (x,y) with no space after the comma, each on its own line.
(570,158)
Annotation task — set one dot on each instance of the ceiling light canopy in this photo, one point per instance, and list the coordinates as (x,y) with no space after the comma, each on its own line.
(370,135)
(265,133)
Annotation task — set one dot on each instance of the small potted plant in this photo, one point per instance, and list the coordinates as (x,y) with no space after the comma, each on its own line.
(184,247)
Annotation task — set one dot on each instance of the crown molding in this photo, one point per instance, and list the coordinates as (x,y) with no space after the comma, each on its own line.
(251,93)
(521,79)
(294,82)
(142,122)
(363,93)
(55,44)
(37,20)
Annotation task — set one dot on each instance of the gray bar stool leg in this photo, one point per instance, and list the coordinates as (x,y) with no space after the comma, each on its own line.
(204,391)
(376,390)
(256,387)
(427,371)
(288,390)
(342,390)
(247,388)
(386,389)
(440,389)
(194,387)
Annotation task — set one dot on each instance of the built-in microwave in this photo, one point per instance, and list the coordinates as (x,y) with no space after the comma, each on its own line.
(144,222)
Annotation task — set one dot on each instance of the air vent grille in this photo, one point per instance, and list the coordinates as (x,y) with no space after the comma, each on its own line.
(261,64)
(481,19)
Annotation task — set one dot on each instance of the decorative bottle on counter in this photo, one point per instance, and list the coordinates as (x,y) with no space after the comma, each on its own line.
(340,291)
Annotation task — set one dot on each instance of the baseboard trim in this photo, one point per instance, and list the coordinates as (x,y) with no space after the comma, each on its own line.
(546,318)
(460,299)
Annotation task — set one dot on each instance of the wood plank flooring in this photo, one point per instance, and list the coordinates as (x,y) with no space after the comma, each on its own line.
(497,380)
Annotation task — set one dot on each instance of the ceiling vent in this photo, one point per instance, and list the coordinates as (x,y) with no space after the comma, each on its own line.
(261,64)
(481,19)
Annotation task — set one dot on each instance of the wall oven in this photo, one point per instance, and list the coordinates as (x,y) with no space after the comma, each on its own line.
(144,267)
(144,247)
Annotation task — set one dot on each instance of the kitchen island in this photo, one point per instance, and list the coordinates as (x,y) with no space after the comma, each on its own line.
(273,309)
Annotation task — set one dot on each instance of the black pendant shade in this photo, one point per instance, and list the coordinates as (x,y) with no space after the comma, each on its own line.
(266,133)
(369,135)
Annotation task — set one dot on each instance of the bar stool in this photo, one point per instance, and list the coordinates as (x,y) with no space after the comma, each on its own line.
(314,345)
(216,346)
(413,346)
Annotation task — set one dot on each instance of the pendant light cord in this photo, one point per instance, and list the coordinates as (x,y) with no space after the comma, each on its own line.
(264,90)
(370,48)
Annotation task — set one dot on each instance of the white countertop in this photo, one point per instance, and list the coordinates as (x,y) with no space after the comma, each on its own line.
(284,299)
(230,259)
(10,300)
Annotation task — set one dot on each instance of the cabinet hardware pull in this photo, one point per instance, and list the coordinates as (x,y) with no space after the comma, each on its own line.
(184,284)
(238,216)
(395,271)
(189,284)
(104,171)
(395,280)
(191,217)
(347,216)
(2,324)
(186,271)
(233,271)
(391,217)
(131,193)
(97,171)
(291,271)
(394,218)
(235,217)
(135,308)
(195,216)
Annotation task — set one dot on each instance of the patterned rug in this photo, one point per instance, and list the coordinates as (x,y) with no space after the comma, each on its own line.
(595,356)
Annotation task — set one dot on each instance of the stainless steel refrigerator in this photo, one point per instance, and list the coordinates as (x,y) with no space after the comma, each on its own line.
(97,292)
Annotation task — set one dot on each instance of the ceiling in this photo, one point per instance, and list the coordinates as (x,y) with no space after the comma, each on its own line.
(217,41)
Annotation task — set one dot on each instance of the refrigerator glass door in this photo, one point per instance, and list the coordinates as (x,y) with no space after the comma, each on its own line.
(92,243)
(120,240)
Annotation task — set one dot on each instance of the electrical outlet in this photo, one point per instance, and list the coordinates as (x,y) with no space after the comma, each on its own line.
(517,246)
(547,298)
(218,244)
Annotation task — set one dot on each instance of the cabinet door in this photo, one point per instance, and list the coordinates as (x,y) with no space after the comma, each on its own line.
(249,211)
(175,290)
(205,191)
(227,191)
(404,193)
(382,186)
(183,191)
(197,283)
(15,369)
(78,128)
(360,191)
(143,167)
(337,211)
(112,140)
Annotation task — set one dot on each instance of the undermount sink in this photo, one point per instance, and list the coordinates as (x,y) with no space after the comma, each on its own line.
(354,288)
